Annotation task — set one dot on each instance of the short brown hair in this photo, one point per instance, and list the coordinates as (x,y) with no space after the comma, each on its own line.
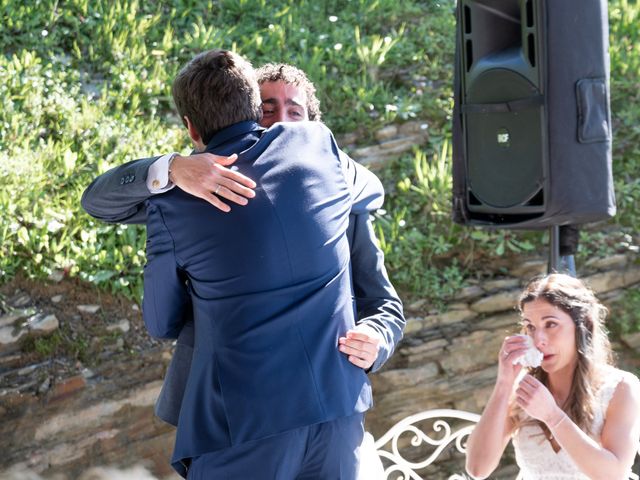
(216,89)
(273,72)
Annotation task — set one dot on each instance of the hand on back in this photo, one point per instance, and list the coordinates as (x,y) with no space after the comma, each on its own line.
(361,345)
(207,176)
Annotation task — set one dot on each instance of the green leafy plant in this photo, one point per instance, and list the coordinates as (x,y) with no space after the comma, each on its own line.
(85,86)
(623,316)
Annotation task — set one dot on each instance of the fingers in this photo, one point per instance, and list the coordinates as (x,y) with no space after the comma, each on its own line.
(511,355)
(357,347)
(226,161)
(227,193)
(360,352)
(524,392)
(528,390)
(362,336)
(232,185)
(512,348)
(365,340)
(219,192)
(530,382)
(202,177)
(359,362)
(234,180)
(523,401)
(215,201)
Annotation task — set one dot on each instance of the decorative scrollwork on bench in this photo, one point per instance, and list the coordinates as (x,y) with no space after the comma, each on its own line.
(441,429)
(433,432)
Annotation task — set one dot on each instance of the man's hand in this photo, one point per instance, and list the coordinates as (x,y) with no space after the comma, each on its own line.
(206,176)
(361,345)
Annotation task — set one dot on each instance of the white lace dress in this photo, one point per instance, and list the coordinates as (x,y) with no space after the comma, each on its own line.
(535,456)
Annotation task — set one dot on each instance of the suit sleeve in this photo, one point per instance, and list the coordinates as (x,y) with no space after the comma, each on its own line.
(166,297)
(118,195)
(377,302)
(367,191)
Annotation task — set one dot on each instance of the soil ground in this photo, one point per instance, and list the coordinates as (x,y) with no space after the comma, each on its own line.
(82,341)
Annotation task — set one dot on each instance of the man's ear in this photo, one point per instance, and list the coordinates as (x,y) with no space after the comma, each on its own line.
(193,133)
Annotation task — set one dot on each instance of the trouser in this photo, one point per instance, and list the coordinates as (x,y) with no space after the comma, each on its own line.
(325,451)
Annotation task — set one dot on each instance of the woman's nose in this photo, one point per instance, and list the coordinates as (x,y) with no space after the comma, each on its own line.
(539,339)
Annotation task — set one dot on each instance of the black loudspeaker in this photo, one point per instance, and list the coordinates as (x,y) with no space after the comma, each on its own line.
(531,124)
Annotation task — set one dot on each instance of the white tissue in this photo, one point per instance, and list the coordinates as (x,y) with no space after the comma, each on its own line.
(532,357)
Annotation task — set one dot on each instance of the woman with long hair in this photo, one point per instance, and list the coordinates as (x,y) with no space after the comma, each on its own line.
(575,416)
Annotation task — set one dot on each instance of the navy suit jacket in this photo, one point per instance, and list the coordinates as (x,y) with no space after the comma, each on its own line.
(270,289)
(377,305)
(119,195)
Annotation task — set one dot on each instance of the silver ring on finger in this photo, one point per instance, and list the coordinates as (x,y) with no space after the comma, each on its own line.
(215,192)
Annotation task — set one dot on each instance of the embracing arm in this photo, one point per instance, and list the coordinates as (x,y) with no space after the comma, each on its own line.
(380,317)
(118,195)
(367,192)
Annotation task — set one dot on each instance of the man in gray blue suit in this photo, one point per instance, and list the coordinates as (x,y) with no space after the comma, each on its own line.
(269,303)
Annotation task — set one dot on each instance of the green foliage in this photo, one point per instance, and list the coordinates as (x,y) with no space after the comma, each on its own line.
(623,317)
(85,86)
(59,342)
(624,18)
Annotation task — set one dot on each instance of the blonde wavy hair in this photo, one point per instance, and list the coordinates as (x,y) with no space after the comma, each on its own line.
(592,344)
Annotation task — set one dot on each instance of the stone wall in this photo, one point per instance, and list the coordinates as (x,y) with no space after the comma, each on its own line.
(105,419)
(391,142)
(446,360)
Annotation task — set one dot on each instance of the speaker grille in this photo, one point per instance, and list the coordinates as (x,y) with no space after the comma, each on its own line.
(504,167)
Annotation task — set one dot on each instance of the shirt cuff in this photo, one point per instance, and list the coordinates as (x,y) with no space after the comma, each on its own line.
(158,175)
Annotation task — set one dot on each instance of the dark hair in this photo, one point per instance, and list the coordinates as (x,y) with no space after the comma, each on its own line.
(273,72)
(216,89)
(592,344)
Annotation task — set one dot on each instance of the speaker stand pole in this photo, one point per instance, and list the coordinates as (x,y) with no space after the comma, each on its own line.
(557,264)
(554,249)
(569,264)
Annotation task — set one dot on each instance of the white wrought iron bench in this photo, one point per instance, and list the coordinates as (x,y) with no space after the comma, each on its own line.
(427,435)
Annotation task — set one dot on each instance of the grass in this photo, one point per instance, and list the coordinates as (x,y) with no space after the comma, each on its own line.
(85,86)
(623,317)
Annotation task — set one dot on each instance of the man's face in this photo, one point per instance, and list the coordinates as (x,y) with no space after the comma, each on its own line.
(282,102)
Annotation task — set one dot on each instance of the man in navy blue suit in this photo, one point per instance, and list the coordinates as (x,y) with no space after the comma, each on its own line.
(287,95)
(269,395)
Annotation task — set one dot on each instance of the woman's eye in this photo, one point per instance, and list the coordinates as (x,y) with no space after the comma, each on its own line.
(529,327)
(551,324)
